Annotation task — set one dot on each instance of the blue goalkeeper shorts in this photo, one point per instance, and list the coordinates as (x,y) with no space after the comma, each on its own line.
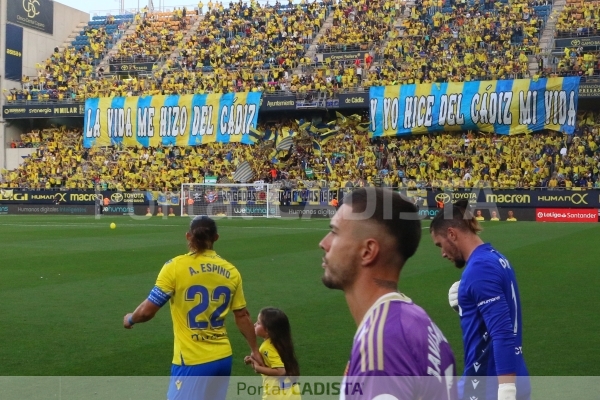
(206,381)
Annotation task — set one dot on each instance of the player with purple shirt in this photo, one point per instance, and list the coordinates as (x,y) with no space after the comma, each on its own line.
(398,352)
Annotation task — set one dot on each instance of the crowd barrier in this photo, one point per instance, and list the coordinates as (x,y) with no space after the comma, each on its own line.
(317,196)
(587,43)
(358,99)
(524,205)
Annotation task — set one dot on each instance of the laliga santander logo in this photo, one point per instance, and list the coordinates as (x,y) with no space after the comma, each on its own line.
(30,7)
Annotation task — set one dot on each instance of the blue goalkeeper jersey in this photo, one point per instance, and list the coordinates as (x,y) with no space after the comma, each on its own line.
(490,318)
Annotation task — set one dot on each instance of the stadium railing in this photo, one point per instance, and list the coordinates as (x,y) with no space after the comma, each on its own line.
(47,101)
(22,98)
(576,34)
(133,59)
(308,184)
(346,47)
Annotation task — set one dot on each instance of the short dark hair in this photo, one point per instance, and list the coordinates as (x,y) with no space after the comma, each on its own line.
(457,216)
(402,221)
(204,231)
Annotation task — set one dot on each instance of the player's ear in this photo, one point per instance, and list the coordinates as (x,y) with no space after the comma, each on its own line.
(216,237)
(452,234)
(188,236)
(370,252)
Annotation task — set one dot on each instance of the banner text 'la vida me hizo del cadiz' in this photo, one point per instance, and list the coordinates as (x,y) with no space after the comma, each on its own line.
(187,120)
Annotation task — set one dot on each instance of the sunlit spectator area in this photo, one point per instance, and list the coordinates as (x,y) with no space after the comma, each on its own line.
(66,73)
(313,50)
(459,41)
(469,159)
(577,42)
(155,36)
(358,25)
(246,37)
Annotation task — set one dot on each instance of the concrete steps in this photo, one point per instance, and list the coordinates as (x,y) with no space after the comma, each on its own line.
(312,49)
(192,29)
(547,39)
(72,36)
(114,50)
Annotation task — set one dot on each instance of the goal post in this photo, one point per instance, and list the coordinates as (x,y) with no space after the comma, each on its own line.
(256,199)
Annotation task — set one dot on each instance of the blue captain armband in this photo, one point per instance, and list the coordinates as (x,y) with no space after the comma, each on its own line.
(158,297)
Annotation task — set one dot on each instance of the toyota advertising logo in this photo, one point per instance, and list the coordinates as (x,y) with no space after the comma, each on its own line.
(116,197)
(443,197)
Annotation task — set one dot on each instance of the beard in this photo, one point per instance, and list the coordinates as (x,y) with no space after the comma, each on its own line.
(331,283)
(457,258)
(340,279)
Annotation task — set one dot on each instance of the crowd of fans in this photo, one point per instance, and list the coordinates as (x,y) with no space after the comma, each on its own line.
(157,34)
(577,20)
(252,47)
(245,46)
(460,42)
(358,25)
(447,160)
(67,75)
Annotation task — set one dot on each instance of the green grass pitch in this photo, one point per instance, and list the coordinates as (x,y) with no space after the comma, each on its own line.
(66,283)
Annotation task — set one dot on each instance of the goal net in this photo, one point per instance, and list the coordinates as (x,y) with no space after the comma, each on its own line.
(256,199)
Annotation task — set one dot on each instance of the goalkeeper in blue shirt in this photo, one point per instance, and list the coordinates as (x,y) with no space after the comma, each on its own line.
(488,303)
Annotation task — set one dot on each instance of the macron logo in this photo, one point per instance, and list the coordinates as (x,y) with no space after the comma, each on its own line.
(481,303)
(475,382)
(476,366)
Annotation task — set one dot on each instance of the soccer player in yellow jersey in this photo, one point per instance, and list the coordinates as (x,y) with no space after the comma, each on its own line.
(201,288)
(511,217)
(479,217)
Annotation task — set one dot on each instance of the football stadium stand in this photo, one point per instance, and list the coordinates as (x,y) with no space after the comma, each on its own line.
(272,49)
(350,158)
(578,21)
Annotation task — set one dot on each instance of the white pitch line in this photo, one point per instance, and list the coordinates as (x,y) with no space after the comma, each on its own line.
(156,225)
(167,225)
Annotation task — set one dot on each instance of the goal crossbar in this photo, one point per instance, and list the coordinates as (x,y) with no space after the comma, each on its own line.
(256,199)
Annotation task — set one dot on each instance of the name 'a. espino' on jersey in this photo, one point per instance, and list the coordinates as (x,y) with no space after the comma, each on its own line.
(399,351)
(201,289)
(208,267)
